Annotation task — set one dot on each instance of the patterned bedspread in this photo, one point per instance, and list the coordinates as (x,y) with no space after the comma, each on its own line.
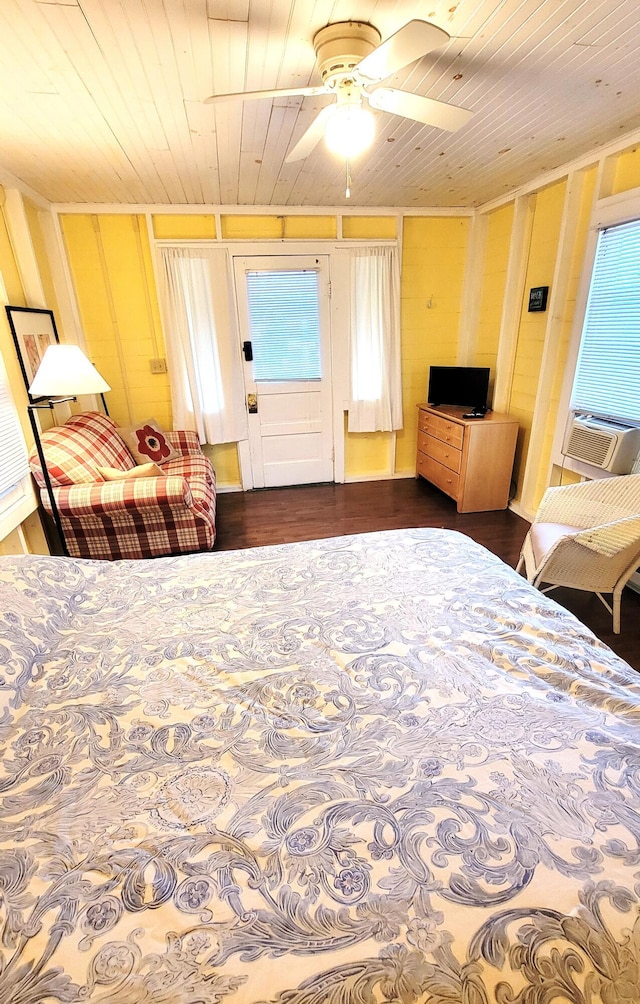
(364,769)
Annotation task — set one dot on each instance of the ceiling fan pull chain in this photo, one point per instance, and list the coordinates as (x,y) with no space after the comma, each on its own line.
(348,191)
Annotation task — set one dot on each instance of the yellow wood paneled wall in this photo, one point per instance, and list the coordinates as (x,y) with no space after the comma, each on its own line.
(433,264)
(627,171)
(368,454)
(248,227)
(493,280)
(543,248)
(10,272)
(110,261)
(34,222)
(178,227)
(568,309)
(370,227)
(15,295)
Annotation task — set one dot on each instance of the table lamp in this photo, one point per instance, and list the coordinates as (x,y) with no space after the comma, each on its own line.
(64,374)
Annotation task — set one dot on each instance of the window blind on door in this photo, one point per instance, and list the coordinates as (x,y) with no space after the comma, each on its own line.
(284,320)
(607,380)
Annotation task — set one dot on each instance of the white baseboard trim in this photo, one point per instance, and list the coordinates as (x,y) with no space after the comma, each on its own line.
(351,480)
(357,478)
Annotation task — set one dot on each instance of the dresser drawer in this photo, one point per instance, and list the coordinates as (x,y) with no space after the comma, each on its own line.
(445,454)
(441,428)
(439,475)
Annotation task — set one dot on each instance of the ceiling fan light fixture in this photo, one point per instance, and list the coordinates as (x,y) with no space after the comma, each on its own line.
(350,130)
(353,63)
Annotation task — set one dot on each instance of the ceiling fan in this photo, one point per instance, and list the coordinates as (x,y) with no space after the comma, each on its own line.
(353,61)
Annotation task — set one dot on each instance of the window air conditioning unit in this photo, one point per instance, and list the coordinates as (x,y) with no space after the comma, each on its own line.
(607,445)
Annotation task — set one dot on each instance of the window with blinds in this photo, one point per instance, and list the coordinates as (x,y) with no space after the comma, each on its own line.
(13,451)
(284,320)
(607,380)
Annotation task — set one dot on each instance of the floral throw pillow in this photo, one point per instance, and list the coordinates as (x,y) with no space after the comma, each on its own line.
(147,442)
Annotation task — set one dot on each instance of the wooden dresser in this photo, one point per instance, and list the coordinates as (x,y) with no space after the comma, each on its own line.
(470,459)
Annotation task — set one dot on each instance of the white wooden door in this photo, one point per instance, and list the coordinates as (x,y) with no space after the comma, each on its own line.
(283,305)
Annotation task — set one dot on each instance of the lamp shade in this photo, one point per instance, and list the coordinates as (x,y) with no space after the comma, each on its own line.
(65,371)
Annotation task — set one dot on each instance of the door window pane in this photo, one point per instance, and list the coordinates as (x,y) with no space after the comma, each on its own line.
(285,324)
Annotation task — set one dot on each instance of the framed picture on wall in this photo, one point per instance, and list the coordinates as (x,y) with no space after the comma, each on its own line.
(33,330)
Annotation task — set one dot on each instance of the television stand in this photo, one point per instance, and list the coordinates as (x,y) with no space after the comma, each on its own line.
(470,461)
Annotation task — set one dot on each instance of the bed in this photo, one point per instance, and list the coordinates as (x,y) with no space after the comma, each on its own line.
(377,768)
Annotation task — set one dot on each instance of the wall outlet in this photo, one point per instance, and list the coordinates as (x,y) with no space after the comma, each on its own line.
(158,365)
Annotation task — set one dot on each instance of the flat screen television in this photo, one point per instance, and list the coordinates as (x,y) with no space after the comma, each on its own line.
(467,386)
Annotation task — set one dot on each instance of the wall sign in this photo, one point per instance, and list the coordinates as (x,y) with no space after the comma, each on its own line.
(538,298)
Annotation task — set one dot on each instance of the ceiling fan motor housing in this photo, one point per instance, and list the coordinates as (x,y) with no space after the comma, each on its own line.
(340,47)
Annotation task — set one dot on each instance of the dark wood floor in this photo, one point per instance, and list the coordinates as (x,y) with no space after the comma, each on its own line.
(281,515)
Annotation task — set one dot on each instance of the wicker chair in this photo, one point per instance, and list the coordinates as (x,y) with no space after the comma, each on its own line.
(586,536)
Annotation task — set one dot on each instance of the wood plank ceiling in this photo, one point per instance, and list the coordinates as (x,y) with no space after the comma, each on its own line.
(102,101)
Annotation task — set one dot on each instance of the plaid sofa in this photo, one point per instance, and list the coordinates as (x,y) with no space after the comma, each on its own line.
(130,518)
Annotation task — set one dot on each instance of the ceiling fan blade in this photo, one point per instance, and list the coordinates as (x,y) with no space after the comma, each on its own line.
(403,47)
(414,106)
(284,92)
(310,139)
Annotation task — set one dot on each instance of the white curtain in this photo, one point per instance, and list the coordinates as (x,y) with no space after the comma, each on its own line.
(376,383)
(203,351)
